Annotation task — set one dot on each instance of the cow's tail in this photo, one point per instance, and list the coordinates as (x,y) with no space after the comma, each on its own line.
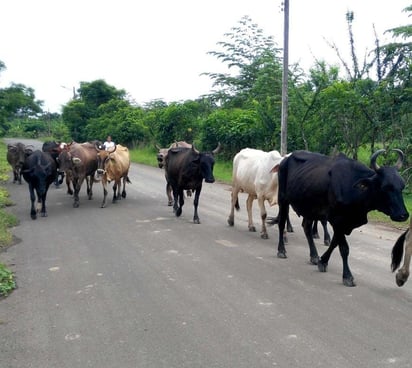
(397,251)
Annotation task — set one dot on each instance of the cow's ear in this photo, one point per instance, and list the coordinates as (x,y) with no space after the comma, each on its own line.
(76,161)
(275,168)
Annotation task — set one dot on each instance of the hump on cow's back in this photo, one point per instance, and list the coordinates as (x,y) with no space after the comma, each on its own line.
(122,148)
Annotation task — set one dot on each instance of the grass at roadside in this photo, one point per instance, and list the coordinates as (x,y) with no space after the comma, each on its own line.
(7,283)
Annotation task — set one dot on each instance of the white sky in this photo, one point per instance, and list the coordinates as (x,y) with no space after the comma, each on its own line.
(157,49)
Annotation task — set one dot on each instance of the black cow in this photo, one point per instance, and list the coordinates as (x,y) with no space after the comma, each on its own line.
(16,154)
(55,148)
(39,171)
(185,169)
(341,191)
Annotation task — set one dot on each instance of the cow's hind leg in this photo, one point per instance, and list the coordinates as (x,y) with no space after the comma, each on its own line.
(234,204)
(124,186)
(307,227)
(282,216)
(403,274)
(179,196)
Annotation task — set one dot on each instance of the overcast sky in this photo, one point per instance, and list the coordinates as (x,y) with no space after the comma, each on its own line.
(157,49)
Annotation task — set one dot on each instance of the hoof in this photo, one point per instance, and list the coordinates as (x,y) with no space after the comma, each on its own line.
(33,217)
(314,260)
(231,222)
(400,280)
(282,255)
(43,214)
(322,267)
(264,236)
(124,195)
(252,229)
(349,282)
(76,205)
(196,221)
(178,212)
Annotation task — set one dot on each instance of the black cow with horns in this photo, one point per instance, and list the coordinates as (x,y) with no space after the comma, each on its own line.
(341,191)
(185,169)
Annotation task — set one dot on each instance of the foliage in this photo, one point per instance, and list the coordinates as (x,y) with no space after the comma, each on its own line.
(234,128)
(17,101)
(91,96)
(7,283)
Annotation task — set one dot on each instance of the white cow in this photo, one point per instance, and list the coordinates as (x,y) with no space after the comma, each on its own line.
(255,173)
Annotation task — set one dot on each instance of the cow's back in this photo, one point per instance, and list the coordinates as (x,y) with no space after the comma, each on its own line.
(87,153)
(304,182)
(253,173)
(119,166)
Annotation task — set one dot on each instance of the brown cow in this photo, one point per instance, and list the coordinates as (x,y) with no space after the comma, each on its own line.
(79,162)
(161,160)
(16,155)
(114,166)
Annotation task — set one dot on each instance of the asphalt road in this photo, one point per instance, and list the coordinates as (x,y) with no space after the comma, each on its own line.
(132,286)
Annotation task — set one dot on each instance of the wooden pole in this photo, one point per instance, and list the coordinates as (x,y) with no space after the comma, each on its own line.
(284,117)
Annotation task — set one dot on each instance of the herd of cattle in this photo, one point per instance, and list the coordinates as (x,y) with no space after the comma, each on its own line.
(330,189)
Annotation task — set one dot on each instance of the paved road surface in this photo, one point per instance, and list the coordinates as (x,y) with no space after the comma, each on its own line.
(132,286)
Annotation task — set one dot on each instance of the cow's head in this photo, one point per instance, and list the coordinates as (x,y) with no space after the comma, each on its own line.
(207,162)
(161,156)
(387,186)
(103,159)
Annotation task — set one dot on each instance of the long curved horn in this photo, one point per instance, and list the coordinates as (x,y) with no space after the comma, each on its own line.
(98,147)
(157,146)
(114,149)
(401,158)
(374,165)
(217,149)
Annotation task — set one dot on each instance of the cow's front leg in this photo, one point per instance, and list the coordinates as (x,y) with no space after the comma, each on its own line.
(89,181)
(114,192)
(104,185)
(196,219)
(249,205)
(43,211)
(33,212)
(77,184)
(263,215)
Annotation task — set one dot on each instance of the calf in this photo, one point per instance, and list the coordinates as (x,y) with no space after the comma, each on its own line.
(39,171)
(185,169)
(405,240)
(114,166)
(16,155)
(341,191)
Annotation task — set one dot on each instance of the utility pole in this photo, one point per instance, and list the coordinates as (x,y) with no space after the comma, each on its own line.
(284,118)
